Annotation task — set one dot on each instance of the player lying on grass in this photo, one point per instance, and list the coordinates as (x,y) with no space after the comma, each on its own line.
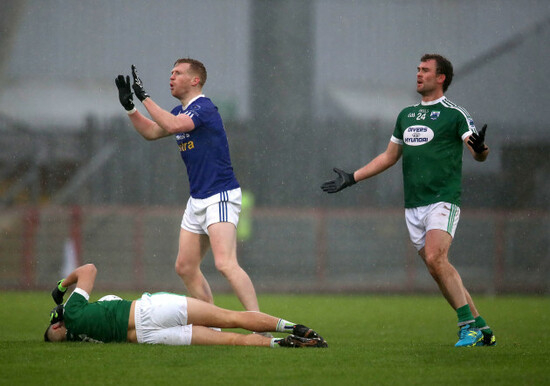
(161,318)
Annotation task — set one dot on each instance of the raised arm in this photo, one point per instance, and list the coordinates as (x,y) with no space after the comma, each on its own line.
(148,128)
(83,277)
(164,122)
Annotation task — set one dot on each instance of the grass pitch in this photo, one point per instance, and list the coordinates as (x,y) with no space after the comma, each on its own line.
(373,340)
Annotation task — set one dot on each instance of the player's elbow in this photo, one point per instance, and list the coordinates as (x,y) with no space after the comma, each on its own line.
(149,137)
(90,268)
(155,132)
(171,127)
(389,160)
(392,162)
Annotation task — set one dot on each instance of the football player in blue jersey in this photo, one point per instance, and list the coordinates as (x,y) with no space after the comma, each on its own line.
(212,213)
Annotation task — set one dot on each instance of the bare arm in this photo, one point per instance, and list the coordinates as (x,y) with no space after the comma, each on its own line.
(83,277)
(148,129)
(163,123)
(169,123)
(380,163)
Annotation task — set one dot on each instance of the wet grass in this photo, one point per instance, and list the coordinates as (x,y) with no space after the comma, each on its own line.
(378,340)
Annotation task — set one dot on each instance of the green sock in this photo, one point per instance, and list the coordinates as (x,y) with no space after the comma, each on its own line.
(482,325)
(275,343)
(465,315)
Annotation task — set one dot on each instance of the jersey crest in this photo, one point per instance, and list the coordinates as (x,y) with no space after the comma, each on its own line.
(434,115)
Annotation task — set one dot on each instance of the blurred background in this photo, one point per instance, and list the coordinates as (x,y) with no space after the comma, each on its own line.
(303,86)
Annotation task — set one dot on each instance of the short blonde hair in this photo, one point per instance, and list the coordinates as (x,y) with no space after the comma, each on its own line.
(195,67)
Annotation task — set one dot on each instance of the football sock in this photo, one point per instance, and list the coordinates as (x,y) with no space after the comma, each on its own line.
(275,343)
(285,326)
(482,325)
(465,316)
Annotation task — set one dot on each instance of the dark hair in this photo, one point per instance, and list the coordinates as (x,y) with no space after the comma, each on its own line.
(46,338)
(196,67)
(443,66)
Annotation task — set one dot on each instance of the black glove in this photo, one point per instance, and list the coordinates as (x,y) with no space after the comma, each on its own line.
(477,141)
(343,181)
(58,293)
(56,315)
(138,86)
(125,92)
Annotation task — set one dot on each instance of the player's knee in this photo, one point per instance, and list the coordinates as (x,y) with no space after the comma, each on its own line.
(233,318)
(226,266)
(435,262)
(185,269)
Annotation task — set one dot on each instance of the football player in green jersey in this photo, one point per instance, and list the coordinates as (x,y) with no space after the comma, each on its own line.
(161,318)
(430,137)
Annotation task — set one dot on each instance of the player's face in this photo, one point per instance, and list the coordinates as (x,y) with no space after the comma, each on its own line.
(428,82)
(181,80)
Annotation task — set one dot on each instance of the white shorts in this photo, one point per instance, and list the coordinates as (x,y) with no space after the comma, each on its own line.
(161,318)
(440,215)
(221,207)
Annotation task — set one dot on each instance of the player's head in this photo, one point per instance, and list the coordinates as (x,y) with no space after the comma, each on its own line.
(195,67)
(56,331)
(443,67)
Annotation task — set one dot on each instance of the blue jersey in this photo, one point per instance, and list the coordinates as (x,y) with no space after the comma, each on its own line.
(205,150)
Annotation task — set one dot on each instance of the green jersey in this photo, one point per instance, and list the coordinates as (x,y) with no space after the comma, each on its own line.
(432,135)
(105,321)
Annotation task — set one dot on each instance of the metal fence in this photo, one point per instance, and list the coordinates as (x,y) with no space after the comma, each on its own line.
(290,250)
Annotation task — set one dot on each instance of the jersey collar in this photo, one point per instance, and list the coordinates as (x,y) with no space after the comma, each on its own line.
(430,103)
(193,100)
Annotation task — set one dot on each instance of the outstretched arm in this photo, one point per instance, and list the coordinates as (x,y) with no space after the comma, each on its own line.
(382,162)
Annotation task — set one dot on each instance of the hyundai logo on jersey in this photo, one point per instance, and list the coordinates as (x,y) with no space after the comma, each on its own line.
(417,135)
